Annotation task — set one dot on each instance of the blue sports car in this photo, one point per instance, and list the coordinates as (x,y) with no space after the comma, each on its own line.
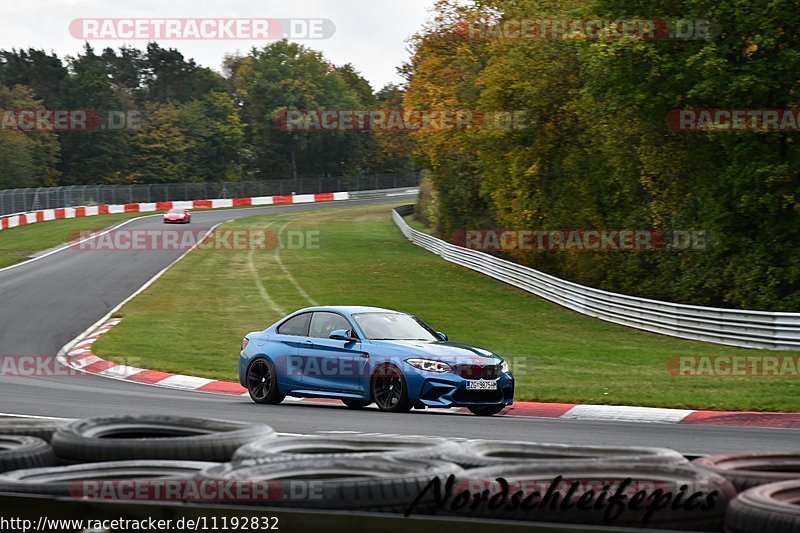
(362,355)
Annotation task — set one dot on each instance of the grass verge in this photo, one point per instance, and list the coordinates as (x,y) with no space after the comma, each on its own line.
(20,243)
(192,319)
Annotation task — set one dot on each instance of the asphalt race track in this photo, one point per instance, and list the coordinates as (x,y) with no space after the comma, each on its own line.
(46,303)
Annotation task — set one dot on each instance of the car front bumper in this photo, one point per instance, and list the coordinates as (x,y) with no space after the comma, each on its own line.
(450,390)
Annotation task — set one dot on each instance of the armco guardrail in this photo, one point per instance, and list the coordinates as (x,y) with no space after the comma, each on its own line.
(748,329)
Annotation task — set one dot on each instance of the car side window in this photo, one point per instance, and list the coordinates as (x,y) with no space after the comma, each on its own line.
(297,325)
(322,323)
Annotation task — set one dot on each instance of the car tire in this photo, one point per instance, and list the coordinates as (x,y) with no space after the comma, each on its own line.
(486,410)
(286,448)
(770,508)
(33,427)
(356,404)
(22,451)
(747,470)
(122,438)
(384,385)
(655,481)
(347,483)
(484,453)
(65,480)
(262,382)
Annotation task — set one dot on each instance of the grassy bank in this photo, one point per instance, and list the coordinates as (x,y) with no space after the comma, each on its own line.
(193,318)
(20,243)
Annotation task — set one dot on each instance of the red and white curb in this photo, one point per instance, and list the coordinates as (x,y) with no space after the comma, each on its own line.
(44,215)
(80,357)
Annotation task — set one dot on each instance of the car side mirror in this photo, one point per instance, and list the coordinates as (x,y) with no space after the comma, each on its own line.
(442,335)
(342,335)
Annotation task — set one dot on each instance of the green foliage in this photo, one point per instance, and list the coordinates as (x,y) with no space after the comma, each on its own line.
(427,208)
(602,156)
(285,76)
(163,148)
(27,158)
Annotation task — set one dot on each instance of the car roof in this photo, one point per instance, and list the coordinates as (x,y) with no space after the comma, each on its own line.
(350,309)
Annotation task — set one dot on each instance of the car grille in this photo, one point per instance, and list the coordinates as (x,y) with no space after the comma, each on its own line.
(478,371)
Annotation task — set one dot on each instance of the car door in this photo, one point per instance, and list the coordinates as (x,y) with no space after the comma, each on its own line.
(330,364)
(284,349)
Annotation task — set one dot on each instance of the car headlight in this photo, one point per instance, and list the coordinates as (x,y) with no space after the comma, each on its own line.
(504,368)
(429,365)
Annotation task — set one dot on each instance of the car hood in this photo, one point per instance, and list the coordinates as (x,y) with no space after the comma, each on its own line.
(448,352)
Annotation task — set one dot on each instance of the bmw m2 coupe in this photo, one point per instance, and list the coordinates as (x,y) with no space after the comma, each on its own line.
(362,355)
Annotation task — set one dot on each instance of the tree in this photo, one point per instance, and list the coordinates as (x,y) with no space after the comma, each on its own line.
(168,76)
(92,156)
(284,76)
(27,158)
(212,124)
(42,72)
(162,150)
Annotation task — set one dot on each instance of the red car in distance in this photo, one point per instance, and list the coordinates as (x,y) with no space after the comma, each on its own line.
(177,216)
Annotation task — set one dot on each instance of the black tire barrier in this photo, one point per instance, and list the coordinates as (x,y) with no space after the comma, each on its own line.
(33,427)
(346,483)
(286,448)
(649,496)
(411,474)
(771,508)
(482,453)
(67,480)
(747,470)
(122,438)
(22,451)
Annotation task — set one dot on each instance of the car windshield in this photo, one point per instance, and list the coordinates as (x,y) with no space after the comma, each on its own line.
(176,211)
(393,327)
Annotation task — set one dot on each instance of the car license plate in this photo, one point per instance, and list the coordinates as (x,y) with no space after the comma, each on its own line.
(481,385)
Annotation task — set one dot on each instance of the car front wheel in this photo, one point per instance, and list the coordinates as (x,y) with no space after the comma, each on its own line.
(262,383)
(486,410)
(390,390)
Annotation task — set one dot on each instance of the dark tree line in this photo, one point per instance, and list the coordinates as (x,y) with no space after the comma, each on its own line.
(192,123)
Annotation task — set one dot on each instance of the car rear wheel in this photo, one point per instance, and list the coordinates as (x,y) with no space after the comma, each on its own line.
(486,410)
(262,383)
(356,404)
(390,390)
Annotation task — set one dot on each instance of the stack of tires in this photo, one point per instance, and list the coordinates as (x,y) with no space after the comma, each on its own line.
(113,448)
(769,490)
(651,488)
